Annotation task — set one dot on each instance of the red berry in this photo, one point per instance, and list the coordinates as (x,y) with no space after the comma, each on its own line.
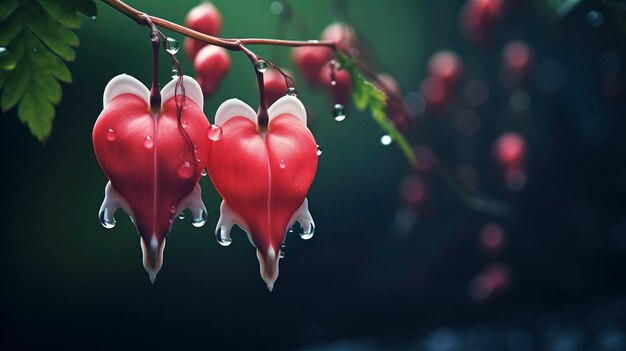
(434,91)
(204,18)
(341,91)
(211,65)
(309,60)
(510,149)
(478,18)
(516,56)
(445,65)
(275,86)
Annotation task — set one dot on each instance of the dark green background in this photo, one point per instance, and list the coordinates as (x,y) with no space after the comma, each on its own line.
(65,280)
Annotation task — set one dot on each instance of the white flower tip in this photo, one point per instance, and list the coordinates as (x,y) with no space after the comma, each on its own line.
(124,84)
(234,108)
(192,90)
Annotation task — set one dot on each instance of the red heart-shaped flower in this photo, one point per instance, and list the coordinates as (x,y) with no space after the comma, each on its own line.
(153,159)
(263,176)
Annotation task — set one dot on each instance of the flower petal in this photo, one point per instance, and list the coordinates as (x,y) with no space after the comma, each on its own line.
(287,104)
(125,84)
(234,108)
(192,90)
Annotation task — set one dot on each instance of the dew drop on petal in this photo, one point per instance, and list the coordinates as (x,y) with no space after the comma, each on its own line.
(204,173)
(290,230)
(282,164)
(386,139)
(339,112)
(111,135)
(185,170)
(148,142)
(181,215)
(214,132)
(223,237)
(200,220)
(261,66)
(173,209)
(333,82)
(282,254)
(291,91)
(171,45)
(307,234)
(183,122)
(319,150)
(175,73)
(106,222)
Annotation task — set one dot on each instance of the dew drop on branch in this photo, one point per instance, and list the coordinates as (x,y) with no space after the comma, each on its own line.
(339,112)
(171,45)
(291,91)
(261,66)
(319,150)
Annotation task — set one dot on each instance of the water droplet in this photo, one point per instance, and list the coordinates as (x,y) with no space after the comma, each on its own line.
(282,254)
(276,7)
(185,170)
(181,215)
(93,18)
(595,18)
(282,164)
(204,172)
(339,112)
(333,82)
(173,209)
(175,73)
(319,150)
(111,134)
(223,237)
(132,219)
(106,222)
(291,91)
(261,66)
(200,220)
(3,50)
(184,123)
(214,132)
(386,139)
(148,142)
(171,45)
(307,234)
(284,244)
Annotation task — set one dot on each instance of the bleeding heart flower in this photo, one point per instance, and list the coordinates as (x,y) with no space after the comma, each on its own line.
(263,176)
(153,158)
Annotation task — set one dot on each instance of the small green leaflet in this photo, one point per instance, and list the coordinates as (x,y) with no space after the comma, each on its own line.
(35,38)
(364,95)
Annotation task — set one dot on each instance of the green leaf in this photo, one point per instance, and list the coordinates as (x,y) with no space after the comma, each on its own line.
(367,95)
(36,38)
